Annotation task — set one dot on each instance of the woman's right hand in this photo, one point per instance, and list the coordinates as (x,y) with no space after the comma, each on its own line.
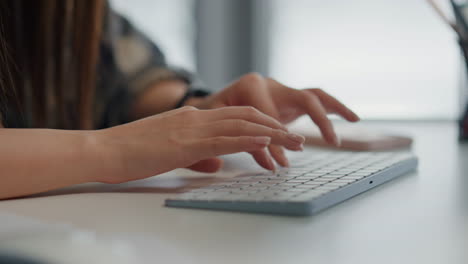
(188,138)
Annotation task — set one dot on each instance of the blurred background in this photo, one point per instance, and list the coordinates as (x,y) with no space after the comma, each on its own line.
(388,60)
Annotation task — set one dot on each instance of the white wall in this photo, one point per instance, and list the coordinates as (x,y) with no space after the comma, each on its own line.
(170,23)
(385,58)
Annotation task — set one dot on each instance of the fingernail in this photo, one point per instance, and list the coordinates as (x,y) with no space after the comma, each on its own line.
(271,165)
(337,141)
(262,141)
(301,148)
(296,138)
(334,140)
(285,162)
(284,159)
(355,116)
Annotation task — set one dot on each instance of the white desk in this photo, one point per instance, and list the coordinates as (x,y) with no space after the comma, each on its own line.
(418,218)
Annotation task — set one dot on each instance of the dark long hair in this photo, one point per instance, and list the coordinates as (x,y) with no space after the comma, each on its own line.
(48,56)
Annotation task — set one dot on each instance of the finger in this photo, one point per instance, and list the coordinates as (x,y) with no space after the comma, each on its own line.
(263,159)
(334,106)
(262,99)
(314,108)
(208,165)
(242,112)
(238,127)
(277,153)
(212,147)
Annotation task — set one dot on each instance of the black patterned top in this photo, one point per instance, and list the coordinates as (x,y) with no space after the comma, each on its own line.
(129,63)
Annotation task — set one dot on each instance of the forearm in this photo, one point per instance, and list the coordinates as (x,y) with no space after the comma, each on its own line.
(38,160)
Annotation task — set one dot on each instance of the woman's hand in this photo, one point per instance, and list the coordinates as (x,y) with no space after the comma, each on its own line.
(282,103)
(187,137)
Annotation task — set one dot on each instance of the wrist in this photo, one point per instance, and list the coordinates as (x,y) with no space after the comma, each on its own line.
(103,156)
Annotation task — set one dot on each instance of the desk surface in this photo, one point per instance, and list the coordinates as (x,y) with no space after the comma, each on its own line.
(418,218)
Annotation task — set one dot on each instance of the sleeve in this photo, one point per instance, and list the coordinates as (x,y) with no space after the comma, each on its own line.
(130,63)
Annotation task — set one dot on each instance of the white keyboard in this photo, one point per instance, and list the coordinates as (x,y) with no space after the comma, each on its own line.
(316,180)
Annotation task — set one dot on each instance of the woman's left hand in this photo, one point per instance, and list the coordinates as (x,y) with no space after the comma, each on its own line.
(282,103)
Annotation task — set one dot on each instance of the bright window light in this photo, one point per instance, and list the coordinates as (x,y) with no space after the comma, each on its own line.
(386,59)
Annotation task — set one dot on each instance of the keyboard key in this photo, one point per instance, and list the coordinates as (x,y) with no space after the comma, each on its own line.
(306,186)
(315,172)
(360,173)
(344,180)
(321,180)
(331,177)
(296,190)
(287,184)
(295,180)
(307,177)
(277,188)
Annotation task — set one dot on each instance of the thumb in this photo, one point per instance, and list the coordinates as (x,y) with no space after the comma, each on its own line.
(207,165)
